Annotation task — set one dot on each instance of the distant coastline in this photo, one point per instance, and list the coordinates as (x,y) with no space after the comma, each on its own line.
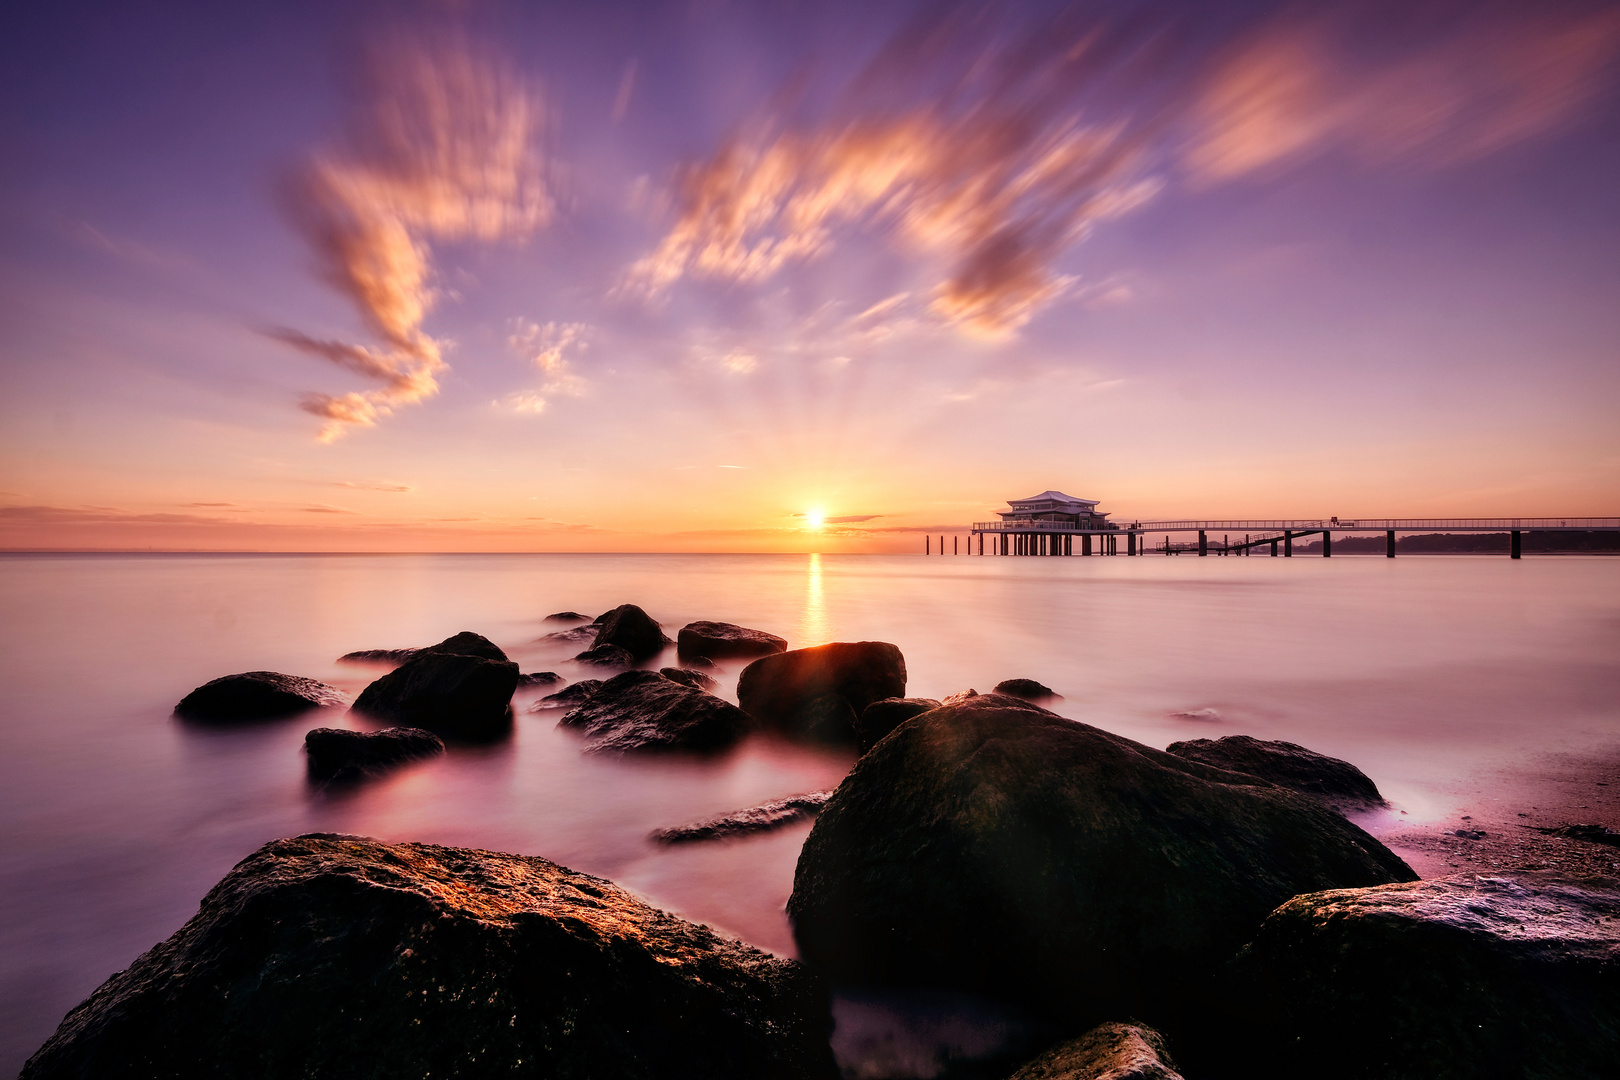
(1534,543)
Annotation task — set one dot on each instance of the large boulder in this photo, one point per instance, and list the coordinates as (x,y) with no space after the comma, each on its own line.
(1490,975)
(1111,1051)
(1337,783)
(256,695)
(882,717)
(336,754)
(633,630)
(1011,852)
(468,643)
(334,956)
(818,692)
(642,710)
(717,640)
(462,697)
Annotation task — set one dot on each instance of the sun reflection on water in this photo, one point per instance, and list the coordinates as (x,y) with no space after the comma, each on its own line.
(813,623)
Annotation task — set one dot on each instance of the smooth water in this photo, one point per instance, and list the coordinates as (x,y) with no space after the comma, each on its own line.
(115,819)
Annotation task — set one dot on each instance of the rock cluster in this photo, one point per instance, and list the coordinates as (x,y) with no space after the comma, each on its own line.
(256,695)
(458,696)
(632,630)
(340,956)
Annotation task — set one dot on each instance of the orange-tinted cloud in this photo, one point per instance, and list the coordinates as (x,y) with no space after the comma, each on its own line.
(1292,89)
(443,145)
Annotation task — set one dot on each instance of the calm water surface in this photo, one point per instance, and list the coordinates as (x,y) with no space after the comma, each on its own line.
(115,819)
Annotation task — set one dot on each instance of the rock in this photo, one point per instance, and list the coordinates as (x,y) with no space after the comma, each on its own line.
(336,754)
(1489,975)
(1470,834)
(338,956)
(571,636)
(1010,852)
(1107,1052)
(1337,783)
(695,679)
(539,678)
(468,643)
(256,695)
(1028,689)
(633,630)
(642,710)
(760,818)
(700,662)
(1594,834)
(790,690)
(463,697)
(378,656)
(722,639)
(607,656)
(882,717)
(569,696)
(1005,701)
(567,616)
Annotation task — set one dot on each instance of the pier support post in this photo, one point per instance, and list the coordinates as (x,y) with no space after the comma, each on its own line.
(1203,543)
(928,545)
(1085,544)
(1068,544)
(1327,544)
(1130,543)
(1288,544)
(1389,544)
(1514,554)
(1274,549)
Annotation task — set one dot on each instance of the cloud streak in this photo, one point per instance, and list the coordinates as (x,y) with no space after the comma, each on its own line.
(443,145)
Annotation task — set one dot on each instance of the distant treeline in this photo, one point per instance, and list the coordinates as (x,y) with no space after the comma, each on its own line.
(1531,543)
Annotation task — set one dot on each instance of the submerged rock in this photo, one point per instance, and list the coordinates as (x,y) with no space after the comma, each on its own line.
(567,616)
(882,717)
(695,679)
(568,696)
(1028,689)
(336,754)
(633,630)
(754,819)
(1286,764)
(572,636)
(1011,852)
(1106,1052)
(463,697)
(539,678)
(467,643)
(818,692)
(642,710)
(721,639)
(338,956)
(607,656)
(1488,975)
(256,695)
(378,656)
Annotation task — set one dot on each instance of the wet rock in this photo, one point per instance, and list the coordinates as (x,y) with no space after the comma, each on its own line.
(1028,689)
(1470,834)
(642,710)
(1014,853)
(539,678)
(1006,701)
(607,656)
(378,656)
(467,643)
(754,819)
(571,636)
(882,717)
(336,754)
(567,616)
(1594,834)
(339,956)
(702,663)
(695,679)
(1489,975)
(633,630)
(569,696)
(722,639)
(1106,1052)
(1337,783)
(256,695)
(794,691)
(461,697)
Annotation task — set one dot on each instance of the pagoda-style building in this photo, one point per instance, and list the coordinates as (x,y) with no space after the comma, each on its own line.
(1046,524)
(1056,507)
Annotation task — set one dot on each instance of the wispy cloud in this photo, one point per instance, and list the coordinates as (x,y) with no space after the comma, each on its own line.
(547,348)
(395,488)
(443,145)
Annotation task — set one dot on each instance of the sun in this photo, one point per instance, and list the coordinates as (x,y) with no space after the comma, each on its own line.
(814,519)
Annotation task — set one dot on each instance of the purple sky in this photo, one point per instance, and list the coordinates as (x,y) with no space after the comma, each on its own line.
(633,276)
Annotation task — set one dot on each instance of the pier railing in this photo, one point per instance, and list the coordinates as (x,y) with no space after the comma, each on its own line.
(1042,527)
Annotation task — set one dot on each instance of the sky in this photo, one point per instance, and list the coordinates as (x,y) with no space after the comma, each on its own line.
(717,276)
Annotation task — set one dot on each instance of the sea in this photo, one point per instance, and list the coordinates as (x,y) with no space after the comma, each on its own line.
(1428,672)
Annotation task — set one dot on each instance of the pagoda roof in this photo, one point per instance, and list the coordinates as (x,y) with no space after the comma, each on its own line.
(1052,496)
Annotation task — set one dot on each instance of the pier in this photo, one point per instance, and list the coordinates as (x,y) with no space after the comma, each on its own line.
(1056,524)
